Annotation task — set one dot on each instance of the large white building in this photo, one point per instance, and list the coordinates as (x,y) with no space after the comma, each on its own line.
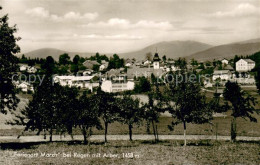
(245,65)
(76,81)
(110,86)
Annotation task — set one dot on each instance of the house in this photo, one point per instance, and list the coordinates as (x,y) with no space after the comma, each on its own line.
(63,80)
(222,74)
(156,61)
(87,72)
(228,67)
(208,84)
(89,64)
(82,82)
(103,66)
(171,67)
(136,72)
(24,86)
(128,63)
(31,69)
(244,65)
(76,81)
(138,63)
(147,62)
(224,61)
(114,86)
(23,68)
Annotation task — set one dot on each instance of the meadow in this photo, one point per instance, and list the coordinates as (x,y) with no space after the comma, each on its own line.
(136,152)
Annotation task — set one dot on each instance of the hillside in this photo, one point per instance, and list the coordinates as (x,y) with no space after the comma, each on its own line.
(55,53)
(172,49)
(227,51)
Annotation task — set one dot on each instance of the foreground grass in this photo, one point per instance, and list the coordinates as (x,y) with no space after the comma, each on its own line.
(144,152)
(220,125)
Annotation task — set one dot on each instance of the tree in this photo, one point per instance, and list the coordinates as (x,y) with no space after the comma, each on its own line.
(64,59)
(236,58)
(76,59)
(105,104)
(201,66)
(186,103)
(181,63)
(74,68)
(8,65)
(164,58)
(242,105)
(143,85)
(130,112)
(152,114)
(115,62)
(87,116)
(194,62)
(257,79)
(67,110)
(43,111)
(149,56)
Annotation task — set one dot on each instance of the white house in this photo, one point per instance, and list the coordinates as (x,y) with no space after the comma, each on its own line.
(224,61)
(63,80)
(244,65)
(103,66)
(76,81)
(31,69)
(23,86)
(109,86)
(128,63)
(23,67)
(147,62)
(222,74)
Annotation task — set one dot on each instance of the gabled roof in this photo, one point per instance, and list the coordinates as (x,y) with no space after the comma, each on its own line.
(221,72)
(228,67)
(248,60)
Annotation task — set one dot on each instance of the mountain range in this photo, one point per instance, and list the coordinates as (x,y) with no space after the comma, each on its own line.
(172,49)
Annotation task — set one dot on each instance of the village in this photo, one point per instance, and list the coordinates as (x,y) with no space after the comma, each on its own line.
(125,78)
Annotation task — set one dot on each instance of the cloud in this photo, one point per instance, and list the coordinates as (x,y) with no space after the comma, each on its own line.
(243,9)
(109,37)
(40,12)
(76,15)
(126,24)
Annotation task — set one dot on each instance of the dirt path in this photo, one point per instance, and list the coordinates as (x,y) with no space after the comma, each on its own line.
(121,137)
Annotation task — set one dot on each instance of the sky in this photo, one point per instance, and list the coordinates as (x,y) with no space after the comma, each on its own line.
(116,26)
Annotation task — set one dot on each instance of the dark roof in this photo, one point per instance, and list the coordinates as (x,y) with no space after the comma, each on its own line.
(156,57)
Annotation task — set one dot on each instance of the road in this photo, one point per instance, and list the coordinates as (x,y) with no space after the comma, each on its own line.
(121,137)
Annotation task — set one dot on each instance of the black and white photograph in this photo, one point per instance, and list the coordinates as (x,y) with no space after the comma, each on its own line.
(145,82)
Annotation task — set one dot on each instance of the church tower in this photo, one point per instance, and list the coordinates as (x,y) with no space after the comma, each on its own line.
(156,61)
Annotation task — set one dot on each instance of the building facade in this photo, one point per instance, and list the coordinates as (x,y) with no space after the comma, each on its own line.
(245,65)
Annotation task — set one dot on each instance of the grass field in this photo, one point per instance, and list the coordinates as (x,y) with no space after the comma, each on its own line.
(143,152)
(220,125)
(244,128)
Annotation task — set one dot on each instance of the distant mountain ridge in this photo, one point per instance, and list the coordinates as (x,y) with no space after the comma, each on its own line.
(55,53)
(226,51)
(172,49)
